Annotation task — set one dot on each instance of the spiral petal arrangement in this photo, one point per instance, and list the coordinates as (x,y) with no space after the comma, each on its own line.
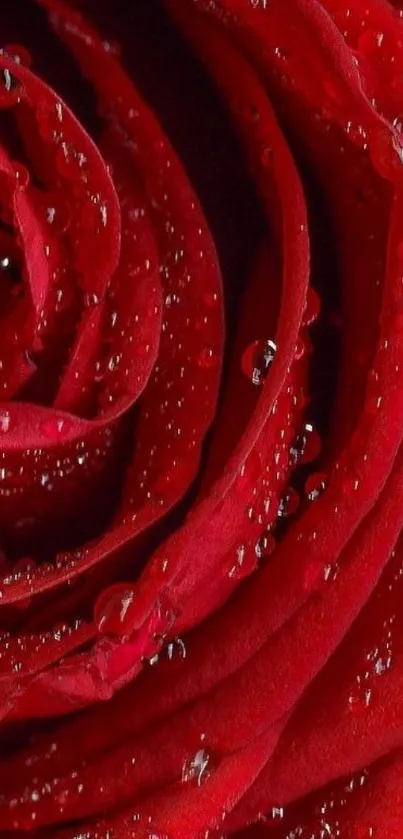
(201,462)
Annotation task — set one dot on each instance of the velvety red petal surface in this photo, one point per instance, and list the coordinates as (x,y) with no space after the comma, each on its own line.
(201,463)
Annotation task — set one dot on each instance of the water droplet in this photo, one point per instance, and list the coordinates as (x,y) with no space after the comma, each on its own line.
(113,610)
(315,485)
(247,110)
(386,152)
(71,164)
(265,545)
(19,54)
(370,41)
(114,361)
(29,358)
(112,47)
(58,215)
(266,157)
(11,272)
(312,307)
(289,503)
(210,299)
(398,123)
(10,88)
(21,175)
(363,831)
(249,472)
(245,563)
(175,650)
(5,422)
(91,299)
(257,360)
(302,346)
(55,427)
(357,134)
(358,704)
(306,446)
(280,53)
(196,769)
(142,350)
(99,371)
(208,359)
(277,813)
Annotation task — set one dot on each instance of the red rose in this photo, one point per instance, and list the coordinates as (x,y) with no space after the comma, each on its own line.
(201,573)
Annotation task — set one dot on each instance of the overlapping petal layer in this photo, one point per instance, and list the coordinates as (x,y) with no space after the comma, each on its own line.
(200,577)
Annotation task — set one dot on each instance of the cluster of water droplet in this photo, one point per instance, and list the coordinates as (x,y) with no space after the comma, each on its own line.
(324,820)
(175,397)
(19,654)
